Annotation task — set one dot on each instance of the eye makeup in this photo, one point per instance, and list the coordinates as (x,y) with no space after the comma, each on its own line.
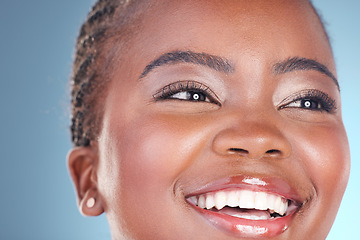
(310,99)
(187,90)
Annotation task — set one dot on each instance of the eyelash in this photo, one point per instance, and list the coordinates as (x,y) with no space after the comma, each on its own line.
(310,96)
(191,87)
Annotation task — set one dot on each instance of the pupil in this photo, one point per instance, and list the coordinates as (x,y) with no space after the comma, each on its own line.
(196,96)
(309,104)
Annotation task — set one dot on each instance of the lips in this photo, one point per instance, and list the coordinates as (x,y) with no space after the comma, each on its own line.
(247,206)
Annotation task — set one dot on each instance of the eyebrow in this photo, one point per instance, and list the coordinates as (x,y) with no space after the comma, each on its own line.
(214,62)
(224,65)
(303,64)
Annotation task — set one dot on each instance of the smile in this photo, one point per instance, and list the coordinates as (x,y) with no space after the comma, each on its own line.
(247,207)
(244,204)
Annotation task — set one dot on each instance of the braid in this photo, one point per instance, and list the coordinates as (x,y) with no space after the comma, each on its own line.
(86,84)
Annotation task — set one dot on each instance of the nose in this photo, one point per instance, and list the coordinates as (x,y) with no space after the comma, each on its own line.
(253,139)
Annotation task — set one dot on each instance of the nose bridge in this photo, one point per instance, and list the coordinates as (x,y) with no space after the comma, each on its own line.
(254,136)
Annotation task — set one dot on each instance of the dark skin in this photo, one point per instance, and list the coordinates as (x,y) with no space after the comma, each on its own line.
(153,149)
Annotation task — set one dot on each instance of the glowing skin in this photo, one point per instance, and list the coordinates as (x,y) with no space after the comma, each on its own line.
(155,150)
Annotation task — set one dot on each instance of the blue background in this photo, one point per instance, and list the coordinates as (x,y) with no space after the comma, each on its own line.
(37,38)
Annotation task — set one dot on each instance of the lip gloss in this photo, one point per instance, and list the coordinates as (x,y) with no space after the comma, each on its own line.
(241,227)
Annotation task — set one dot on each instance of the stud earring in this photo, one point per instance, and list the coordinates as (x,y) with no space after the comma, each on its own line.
(90,202)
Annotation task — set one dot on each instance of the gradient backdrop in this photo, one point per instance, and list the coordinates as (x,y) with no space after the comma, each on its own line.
(37,38)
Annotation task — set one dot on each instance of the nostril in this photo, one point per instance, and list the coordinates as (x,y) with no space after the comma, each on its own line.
(273,152)
(239,151)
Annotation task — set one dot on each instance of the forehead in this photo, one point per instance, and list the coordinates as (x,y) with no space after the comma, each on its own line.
(271,30)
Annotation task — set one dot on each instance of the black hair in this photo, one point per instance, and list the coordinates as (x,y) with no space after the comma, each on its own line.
(108,19)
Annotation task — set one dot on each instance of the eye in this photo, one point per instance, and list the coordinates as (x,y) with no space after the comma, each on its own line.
(307,104)
(191,96)
(191,91)
(310,99)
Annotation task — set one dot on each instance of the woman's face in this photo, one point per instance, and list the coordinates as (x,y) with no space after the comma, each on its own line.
(239,111)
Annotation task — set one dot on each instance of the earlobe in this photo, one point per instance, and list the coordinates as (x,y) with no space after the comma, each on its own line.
(81,164)
(90,204)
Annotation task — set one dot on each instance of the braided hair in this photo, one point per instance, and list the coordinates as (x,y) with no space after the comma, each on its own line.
(107,20)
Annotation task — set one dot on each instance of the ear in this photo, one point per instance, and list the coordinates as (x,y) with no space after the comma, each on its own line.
(81,164)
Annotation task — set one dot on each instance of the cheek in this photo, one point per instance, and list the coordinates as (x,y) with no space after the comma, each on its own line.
(157,149)
(143,160)
(324,152)
(326,158)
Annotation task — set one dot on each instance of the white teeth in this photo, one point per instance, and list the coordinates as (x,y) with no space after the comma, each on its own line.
(283,206)
(233,199)
(271,202)
(277,204)
(209,203)
(201,201)
(194,200)
(247,199)
(261,201)
(220,200)
(243,199)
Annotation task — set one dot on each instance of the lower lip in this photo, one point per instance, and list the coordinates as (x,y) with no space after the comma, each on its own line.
(240,227)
